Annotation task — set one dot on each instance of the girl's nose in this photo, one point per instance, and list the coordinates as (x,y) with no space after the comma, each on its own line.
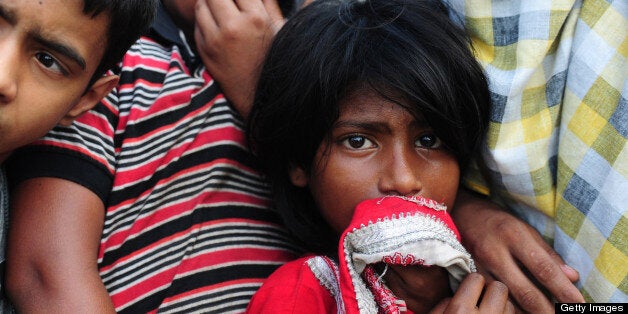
(401,173)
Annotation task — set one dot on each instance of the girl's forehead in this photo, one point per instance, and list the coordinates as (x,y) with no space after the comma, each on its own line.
(369,102)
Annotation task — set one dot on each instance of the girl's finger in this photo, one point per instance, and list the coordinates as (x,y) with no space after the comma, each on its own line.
(468,293)
(495,298)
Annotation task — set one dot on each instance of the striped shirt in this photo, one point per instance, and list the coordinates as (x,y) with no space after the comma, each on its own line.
(556,150)
(187,226)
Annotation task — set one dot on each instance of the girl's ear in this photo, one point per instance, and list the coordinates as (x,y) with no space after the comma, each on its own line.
(298,176)
(92,96)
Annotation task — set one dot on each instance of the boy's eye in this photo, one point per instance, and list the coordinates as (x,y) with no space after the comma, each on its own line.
(428,141)
(358,142)
(49,62)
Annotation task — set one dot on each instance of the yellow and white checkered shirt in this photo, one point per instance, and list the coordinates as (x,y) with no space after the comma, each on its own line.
(556,150)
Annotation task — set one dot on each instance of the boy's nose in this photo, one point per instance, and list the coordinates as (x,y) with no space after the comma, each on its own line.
(8,71)
(401,174)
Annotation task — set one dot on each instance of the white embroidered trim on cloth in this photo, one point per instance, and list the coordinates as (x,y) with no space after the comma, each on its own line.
(326,271)
(403,234)
(420,200)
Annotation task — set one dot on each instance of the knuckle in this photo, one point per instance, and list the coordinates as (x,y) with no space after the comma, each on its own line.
(261,23)
(498,288)
(230,31)
(258,20)
(569,295)
(481,249)
(455,307)
(528,299)
(545,271)
(509,229)
(553,254)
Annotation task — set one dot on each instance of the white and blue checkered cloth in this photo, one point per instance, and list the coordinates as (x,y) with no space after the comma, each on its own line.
(556,150)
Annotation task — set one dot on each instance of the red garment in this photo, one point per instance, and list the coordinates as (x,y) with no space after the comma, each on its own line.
(293,288)
(392,230)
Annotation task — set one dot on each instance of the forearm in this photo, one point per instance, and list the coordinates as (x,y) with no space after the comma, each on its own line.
(52,249)
(32,291)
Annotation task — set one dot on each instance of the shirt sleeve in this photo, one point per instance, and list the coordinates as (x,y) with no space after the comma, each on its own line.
(83,153)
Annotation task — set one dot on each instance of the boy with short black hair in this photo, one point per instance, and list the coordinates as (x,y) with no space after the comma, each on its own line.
(54,55)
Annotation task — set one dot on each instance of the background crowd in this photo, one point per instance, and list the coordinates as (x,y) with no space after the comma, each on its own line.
(154,200)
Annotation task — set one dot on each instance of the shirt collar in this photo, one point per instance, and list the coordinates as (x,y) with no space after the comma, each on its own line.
(166,30)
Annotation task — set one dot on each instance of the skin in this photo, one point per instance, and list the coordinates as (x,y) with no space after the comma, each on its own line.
(232,38)
(49,52)
(223,64)
(511,251)
(68,217)
(378,148)
(505,248)
(225,49)
(469,290)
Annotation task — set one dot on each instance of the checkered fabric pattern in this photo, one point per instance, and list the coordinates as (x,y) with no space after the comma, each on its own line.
(556,150)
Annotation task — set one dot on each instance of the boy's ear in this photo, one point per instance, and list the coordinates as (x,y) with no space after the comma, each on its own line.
(298,177)
(92,96)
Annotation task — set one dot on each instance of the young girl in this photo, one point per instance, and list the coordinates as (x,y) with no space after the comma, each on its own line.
(364,114)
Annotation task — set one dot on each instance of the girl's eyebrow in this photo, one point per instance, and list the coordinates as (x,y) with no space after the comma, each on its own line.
(374,126)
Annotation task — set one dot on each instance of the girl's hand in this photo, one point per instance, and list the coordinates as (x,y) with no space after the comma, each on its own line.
(420,287)
(467,298)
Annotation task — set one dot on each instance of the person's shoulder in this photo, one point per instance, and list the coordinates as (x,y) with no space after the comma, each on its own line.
(150,56)
(289,273)
(148,45)
(292,288)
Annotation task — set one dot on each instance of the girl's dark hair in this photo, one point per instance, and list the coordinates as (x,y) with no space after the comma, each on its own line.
(408,51)
(128,20)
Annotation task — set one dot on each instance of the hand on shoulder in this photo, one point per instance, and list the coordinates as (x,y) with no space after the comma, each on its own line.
(232,38)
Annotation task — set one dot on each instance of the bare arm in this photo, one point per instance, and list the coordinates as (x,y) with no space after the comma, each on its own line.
(232,38)
(52,249)
(507,249)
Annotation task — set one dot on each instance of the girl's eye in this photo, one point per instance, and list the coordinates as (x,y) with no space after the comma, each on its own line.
(49,62)
(428,141)
(358,142)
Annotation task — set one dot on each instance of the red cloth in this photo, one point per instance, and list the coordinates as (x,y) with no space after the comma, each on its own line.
(392,230)
(293,288)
